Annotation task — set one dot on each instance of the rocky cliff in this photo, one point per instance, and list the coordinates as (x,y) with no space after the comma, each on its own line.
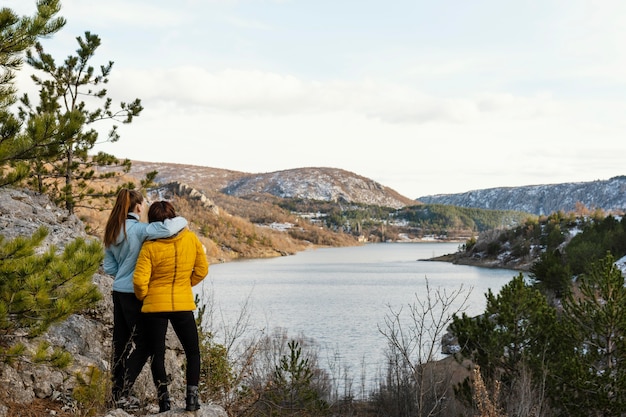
(87,335)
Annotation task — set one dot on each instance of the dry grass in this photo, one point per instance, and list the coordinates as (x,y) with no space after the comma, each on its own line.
(37,408)
(486,402)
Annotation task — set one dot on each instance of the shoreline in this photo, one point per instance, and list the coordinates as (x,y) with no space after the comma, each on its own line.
(459,259)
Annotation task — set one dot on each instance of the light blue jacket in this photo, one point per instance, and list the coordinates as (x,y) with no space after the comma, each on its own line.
(121,257)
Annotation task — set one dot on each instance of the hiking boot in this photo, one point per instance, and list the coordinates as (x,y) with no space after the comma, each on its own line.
(164,402)
(165,405)
(191,400)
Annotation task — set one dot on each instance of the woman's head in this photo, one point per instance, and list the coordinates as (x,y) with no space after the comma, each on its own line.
(161,210)
(127,201)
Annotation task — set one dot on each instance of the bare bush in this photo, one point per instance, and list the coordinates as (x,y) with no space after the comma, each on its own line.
(417,383)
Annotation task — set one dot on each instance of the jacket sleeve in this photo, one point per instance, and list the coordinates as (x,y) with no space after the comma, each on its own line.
(110,265)
(201,265)
(143,271)
(167,228)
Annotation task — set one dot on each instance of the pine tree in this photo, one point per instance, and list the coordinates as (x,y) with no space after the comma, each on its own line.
(17,34)
(552,274)
(591,378)
(514,334)
(294,391)
(37,290)
(68,108)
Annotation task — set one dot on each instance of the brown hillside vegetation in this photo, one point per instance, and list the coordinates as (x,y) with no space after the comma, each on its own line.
(229,236)
(238,229)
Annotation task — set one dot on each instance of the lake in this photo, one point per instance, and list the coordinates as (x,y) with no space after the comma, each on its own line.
(340,296)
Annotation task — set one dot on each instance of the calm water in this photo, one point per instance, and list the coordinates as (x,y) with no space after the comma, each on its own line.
(340,296)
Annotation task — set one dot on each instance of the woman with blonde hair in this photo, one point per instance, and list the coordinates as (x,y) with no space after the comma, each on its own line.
(123,236)
(166,270)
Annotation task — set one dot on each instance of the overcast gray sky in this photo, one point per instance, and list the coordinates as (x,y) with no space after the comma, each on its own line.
(425,97)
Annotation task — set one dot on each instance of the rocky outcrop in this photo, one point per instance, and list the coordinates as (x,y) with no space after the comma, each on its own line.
(166,192)
(22,212)
(87,335)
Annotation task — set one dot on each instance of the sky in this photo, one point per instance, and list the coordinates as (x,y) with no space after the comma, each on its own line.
(424,97)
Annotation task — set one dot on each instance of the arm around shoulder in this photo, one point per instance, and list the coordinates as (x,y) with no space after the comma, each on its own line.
(167,228)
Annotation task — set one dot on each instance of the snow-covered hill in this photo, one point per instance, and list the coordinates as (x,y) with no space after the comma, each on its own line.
(608,195)
(341,186)
(323,184)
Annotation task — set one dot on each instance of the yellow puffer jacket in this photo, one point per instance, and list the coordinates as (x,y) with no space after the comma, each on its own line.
(167,269)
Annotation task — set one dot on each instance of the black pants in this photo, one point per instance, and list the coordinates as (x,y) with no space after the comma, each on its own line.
(184,326)
(130,348)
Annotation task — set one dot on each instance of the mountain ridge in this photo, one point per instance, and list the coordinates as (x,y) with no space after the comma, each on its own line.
(310,183)
(542,199)
(341,186)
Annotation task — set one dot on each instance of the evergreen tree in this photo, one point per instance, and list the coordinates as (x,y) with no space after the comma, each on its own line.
(293,390)
(599,236)
(591,378)
(17,34)
(37,290)
(551,273)
(68,109)
(513,335)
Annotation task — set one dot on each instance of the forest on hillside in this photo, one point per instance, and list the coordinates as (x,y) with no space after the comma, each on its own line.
(380,224)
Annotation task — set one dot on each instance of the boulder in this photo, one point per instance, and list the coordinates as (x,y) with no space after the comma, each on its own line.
(206,410)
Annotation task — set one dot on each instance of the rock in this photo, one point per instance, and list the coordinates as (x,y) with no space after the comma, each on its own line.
(22,212)
(45,379)
(167,191)
(117,413)
(206,410)
(449,343)
(17,384)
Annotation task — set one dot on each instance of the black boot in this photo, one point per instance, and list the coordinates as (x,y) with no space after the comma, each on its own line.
(164,399)
(191,401)
(164,403)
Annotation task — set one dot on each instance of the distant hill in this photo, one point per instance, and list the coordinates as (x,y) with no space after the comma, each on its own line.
(608,195)
(321,184)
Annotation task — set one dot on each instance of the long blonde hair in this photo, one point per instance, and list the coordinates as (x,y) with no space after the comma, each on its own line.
(125,202)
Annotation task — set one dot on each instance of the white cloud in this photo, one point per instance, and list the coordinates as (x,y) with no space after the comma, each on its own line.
(430,99)
(248,23)
(264,93)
